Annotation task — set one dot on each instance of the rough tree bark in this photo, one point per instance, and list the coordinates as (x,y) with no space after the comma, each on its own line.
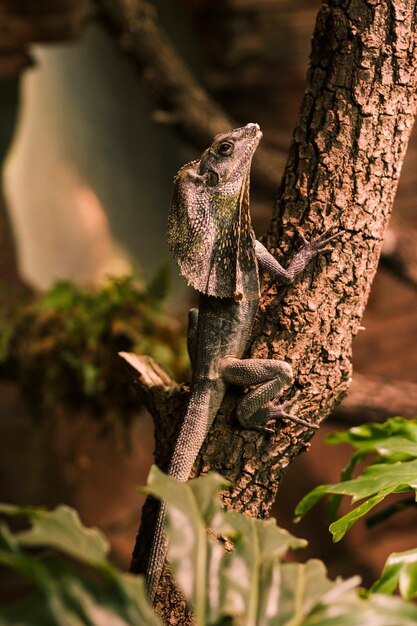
(343,168)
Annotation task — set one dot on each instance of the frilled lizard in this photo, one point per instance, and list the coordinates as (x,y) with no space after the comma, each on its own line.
(212,240)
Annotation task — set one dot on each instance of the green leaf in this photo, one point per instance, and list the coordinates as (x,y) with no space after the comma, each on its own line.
(368,435)
(248,571)
(191,508)
(310,499)
(400,570)
(62,593)
(344,523)
(61,297)
(391,611)
(350,610)
(296,590)
(11,557)
(60,529)
(375,483)
(65,598)
(394,476)
(200,561)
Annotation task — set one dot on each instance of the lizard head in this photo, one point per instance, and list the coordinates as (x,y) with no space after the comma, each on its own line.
(228,158)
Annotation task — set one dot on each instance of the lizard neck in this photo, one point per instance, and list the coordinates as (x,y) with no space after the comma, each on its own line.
(211,237)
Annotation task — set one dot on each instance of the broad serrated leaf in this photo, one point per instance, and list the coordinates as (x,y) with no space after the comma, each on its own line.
(12,558)
(247,572)
(223,584)
(400,571)
(350,610)
(191,507)
(124,604)
(66,599)
(374,484)
(62,530)
(292,592)
(391,611)
(372,432)
(62,593)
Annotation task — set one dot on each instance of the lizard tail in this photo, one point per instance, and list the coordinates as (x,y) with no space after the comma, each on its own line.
(201,411)
(158,553)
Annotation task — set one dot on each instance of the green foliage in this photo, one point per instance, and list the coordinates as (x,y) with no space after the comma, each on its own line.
(64,346)
(400,571)
(390,449)
(63,576)
(198,560)
(60,529)
(59,591)
(251,585)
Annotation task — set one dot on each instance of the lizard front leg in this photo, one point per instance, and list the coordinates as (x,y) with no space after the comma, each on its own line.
(299,262)
(271,378)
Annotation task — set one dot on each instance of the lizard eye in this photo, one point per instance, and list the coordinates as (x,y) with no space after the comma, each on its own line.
(225,148)
(212,178)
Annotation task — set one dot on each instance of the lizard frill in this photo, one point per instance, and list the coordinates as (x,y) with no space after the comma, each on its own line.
(212,239)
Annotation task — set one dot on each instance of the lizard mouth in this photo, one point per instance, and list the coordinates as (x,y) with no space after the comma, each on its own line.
(254,129)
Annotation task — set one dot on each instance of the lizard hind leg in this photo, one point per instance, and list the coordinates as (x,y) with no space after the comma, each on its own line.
(271,378)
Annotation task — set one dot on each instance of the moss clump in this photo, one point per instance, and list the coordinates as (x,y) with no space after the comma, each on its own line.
(63,347)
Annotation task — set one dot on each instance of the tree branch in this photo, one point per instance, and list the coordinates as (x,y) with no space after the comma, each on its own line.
(374,399)
(24,22)
(134,25)
(399,253)
(343,169)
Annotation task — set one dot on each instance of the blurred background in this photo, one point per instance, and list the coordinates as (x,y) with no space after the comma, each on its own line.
(98,112)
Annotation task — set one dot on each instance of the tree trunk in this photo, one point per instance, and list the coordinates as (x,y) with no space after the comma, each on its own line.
(343,169)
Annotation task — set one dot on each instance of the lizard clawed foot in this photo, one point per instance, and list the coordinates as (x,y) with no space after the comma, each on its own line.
(320,243)
(278,412)
(258,420)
